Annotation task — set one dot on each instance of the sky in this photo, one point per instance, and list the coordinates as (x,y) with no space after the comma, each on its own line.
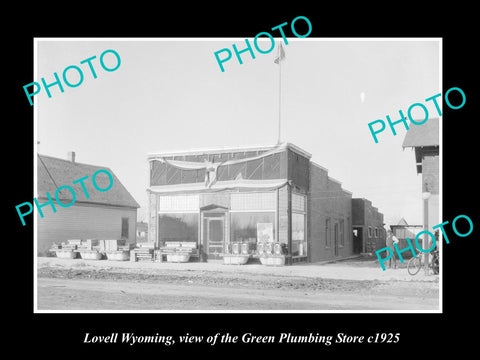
(170,94)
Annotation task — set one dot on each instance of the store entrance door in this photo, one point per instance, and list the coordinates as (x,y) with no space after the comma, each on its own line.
(213,233)
(215,237)
(357,240)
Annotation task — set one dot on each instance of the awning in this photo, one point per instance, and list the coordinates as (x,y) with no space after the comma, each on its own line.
(239,184)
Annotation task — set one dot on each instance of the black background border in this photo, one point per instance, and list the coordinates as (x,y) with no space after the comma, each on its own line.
(429,333)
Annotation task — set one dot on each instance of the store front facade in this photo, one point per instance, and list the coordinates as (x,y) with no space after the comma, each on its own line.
(235,201)
(220,222)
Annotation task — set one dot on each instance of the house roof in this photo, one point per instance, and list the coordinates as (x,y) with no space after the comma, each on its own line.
(426,134)
(53,173)
(402,222)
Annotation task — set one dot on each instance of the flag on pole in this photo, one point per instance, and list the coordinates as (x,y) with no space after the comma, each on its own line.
(280,54)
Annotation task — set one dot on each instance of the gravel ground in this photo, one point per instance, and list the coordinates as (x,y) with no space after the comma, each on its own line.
(76,284)
(354,269)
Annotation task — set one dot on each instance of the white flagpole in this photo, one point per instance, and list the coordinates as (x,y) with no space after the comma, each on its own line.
(279,97)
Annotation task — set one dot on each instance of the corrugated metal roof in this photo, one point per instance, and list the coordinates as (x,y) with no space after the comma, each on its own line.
(426,134)
(54,172)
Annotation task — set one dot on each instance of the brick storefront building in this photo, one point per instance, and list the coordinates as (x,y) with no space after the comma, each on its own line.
(272,194)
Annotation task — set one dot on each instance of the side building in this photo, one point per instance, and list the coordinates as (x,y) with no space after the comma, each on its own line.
(425,139)
(110,214)
(368,227)
(403,231)
(218,197)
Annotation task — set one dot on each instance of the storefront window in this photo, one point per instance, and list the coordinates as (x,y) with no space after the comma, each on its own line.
(299,245)
(178,227)
(252,227)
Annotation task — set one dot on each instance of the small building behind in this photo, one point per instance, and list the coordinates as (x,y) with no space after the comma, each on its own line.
(403,231)
(142,232)
(368,231)
(110,214)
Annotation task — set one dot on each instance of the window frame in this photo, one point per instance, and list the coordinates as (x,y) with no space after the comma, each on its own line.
(328,231)
(125,221)
(341,232)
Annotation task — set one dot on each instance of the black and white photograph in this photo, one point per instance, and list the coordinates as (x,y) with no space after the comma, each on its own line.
(199,184)
(230,181)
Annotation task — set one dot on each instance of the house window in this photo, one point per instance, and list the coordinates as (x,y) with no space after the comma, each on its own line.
(370,231)
(327,232)
(341,232)
(124,228)
(376,232)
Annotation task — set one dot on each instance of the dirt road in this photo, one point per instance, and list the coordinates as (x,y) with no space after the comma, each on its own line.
(68,294)
(90,288)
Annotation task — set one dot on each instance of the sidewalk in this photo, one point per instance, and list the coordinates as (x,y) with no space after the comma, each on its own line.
(348,270)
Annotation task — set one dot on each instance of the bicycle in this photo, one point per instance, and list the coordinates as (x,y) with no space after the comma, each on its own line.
(416,263)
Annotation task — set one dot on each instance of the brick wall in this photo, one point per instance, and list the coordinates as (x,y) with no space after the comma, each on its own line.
(327,199)
(358,212)
(373,219)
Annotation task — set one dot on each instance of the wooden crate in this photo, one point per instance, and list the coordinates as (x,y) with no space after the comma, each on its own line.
(149,245)
(142,254)
(74,241)
(188,244)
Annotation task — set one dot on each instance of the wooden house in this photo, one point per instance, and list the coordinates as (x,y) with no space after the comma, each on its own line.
(109,214)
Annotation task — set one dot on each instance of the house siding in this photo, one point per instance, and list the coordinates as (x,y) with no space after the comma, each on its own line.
(83,221)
